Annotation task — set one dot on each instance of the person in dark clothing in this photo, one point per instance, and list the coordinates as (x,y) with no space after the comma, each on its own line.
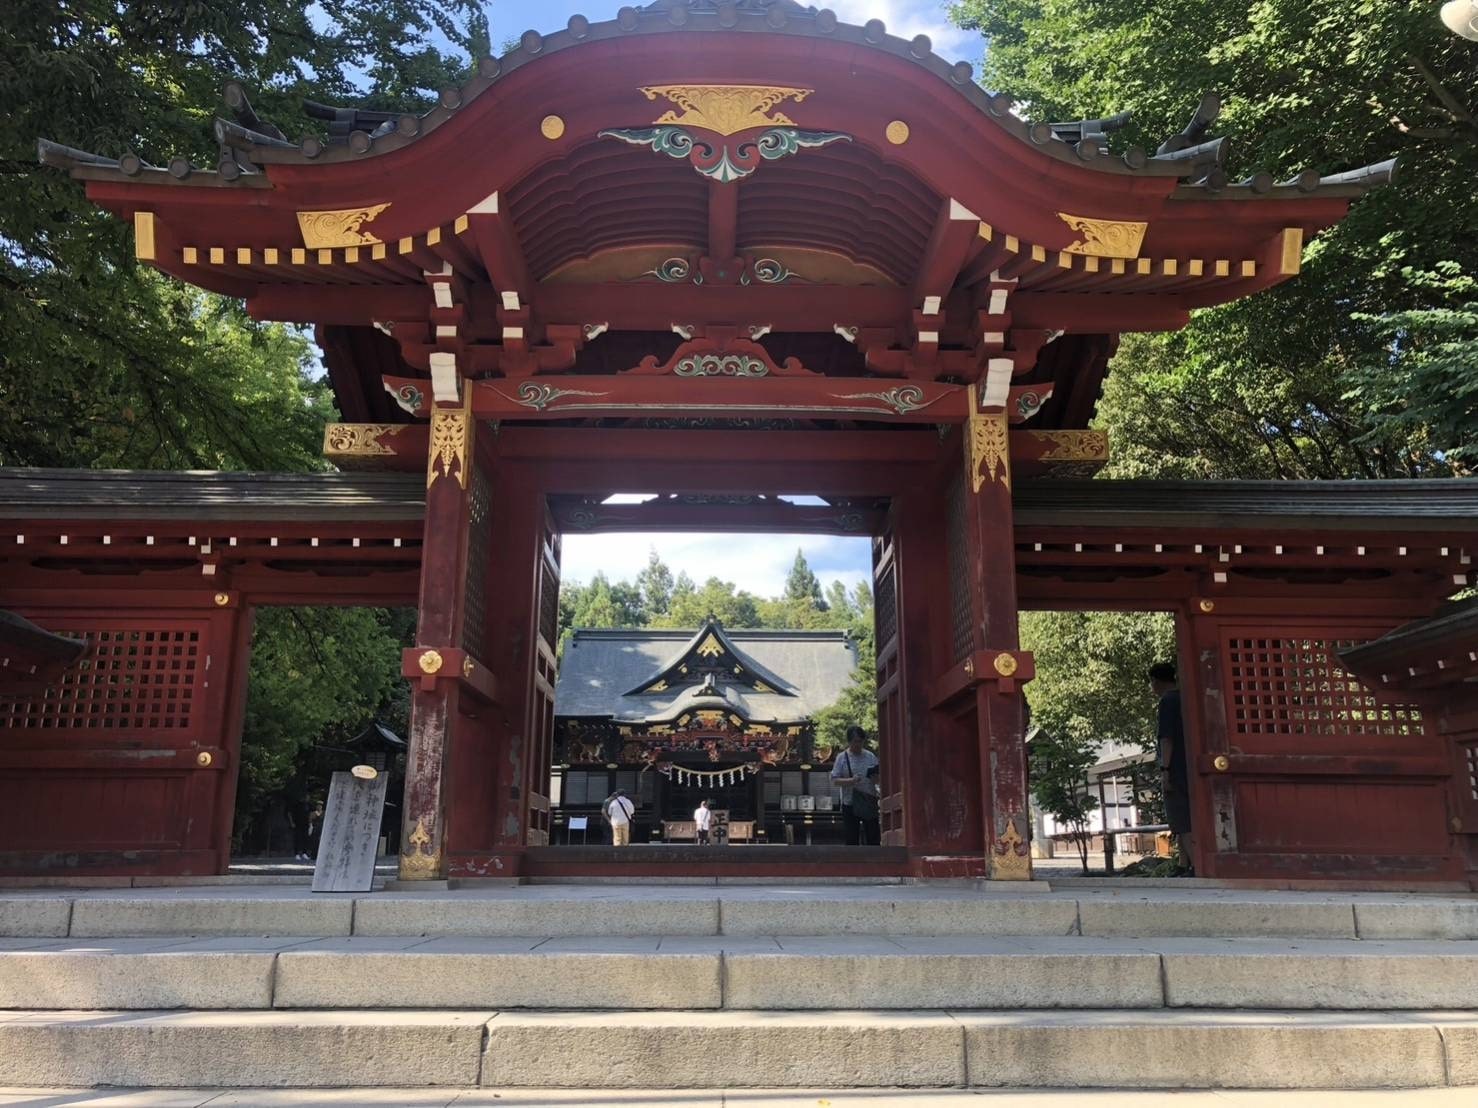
(1170,753)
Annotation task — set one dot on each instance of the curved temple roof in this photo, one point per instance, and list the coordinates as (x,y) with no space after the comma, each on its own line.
(846,200)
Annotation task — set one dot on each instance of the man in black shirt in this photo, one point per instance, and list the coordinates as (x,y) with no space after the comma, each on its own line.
(1170,753)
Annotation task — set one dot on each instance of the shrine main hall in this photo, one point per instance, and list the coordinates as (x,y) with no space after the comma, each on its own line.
(789,275)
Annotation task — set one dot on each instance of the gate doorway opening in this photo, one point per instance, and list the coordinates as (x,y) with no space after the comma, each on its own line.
(721,666)
(324,692)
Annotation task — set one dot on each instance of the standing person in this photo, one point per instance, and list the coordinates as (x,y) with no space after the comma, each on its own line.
(618,812)
(703,820)
(855,770)
(1170,753)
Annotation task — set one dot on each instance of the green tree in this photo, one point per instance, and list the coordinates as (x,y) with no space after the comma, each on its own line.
(1310,379)
(317,674)
(802,584)
(1090,686)
(733,607)
(102,361)
(655,583)
(1059,784)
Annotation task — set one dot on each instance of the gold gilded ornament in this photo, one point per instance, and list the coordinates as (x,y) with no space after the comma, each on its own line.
(420,862)
(1222,763)
(1105,238)
(222,599)
(451,441)
(897,132)
(339,228)
(1005,664)
(204,759)
(726,109)
(429,661)
(358,440)
(710,647)
(467,667)
(1207,605)
(552,127)
(1010,860)
(1074,446)
(989,447)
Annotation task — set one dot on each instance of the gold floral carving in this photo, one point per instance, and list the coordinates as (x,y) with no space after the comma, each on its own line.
(1074,446)
(451,442)
(1105,238)
(1010,858)
(421,862)
(897,132)
(340,228)
(1005,664)
(359,440)
(726,109)
(989,448)
(430,661)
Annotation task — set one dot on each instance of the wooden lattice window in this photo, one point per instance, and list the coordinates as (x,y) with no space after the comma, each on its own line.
(1296,686)
(134,678)
(885,606)
(1472,753)
(961,610)
(479,538)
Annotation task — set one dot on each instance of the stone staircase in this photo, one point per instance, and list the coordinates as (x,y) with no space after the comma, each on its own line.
(747,987)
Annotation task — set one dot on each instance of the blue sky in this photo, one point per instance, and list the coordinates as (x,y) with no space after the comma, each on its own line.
(905,18)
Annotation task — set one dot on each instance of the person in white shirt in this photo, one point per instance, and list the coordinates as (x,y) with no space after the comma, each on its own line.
(855,772)
(619,811)
(703,820)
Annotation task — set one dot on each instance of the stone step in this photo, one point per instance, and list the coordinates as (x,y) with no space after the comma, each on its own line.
(715,972)
(740,910)
(1194,1049)
(504,1097)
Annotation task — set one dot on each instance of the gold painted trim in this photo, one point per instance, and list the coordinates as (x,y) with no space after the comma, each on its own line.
(1010,859)
(358,440)
(1292,255)
(988,446)
(1108,238)
(421,862)
(726,109)
(339,228)
(143,236)
(1073,446)
(451,442)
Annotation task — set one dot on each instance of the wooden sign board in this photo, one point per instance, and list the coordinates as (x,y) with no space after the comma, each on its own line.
(351,834)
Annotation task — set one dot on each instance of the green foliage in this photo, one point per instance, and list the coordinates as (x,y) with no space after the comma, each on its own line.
(655,582)
(317,675)
(102,361)
(802,584)
(1308,380)
(1090,686)
(1059,784)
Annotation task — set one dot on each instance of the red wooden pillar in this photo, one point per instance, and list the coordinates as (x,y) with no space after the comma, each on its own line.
(444,671)
(999,666)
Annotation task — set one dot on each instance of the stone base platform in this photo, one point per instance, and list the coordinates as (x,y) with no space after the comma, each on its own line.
(604,1097)
(681,988)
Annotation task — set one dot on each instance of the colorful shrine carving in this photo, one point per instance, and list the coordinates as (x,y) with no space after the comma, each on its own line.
(880,288)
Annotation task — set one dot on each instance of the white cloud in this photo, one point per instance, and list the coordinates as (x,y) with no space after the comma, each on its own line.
(906,18)
(757,563)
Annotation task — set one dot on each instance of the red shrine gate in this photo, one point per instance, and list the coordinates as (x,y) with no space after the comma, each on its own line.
(718,248)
